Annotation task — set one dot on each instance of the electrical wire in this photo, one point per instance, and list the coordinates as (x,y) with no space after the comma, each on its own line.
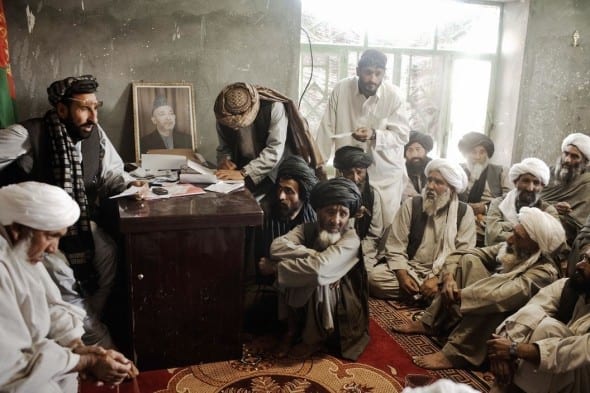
(311,74)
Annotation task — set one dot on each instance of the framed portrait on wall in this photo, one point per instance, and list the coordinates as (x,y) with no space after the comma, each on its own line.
(163,116)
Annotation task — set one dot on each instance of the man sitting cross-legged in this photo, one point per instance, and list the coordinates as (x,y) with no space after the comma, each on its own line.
(321,277)
(425,230)
(481,287)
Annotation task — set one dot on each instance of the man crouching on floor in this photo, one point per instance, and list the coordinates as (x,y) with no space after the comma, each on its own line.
(321,277)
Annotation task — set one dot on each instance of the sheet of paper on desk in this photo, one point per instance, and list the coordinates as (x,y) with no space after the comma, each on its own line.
(175,190)
(224,188)
(162,161)
(130,191)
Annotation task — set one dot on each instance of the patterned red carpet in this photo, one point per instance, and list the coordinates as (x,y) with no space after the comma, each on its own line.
(383,367)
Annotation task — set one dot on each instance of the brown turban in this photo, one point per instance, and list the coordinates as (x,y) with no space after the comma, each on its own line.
(473,139)
(65,88)
(237,105)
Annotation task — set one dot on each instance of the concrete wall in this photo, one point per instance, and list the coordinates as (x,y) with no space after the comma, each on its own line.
(207,43)
(555,93)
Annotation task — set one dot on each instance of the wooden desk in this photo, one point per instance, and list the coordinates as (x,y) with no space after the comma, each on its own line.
(185,264)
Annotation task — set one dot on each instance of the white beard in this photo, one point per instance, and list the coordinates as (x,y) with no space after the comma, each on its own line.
(21,250)
(475,170)
(326,239)
(432,205)
(510,259)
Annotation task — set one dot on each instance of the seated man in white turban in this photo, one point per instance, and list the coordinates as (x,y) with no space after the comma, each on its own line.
(321,279)
(544,347)
(569,187)
(529,177)
(425,230)
(41,343)
(482,286)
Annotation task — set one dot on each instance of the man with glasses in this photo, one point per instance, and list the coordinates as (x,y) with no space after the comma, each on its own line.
(67,148)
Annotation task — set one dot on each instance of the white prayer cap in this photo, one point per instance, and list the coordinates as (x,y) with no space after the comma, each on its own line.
(453,173)
(579,140)
(442,386)
(543,228)
(37,205)
(534,166)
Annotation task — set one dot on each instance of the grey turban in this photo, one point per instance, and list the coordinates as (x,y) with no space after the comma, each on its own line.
(579,140)
(543,228)
(65,88)
(337,191)
(453,173)
(534,166)
(295,167)
(348,157)
(37,205)
(419,137)
(473,139)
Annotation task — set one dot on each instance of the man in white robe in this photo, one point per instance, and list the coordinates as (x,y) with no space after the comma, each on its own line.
(545,346)
(41,348)
(368,112)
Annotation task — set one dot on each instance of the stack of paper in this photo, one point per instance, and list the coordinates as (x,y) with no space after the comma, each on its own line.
(194,172)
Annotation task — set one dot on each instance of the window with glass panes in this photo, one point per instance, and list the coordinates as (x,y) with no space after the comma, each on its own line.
(441,53)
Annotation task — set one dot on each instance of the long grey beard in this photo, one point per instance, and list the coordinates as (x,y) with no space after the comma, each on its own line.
(510,259)
(326,239)
(566,174)
(475,170)
(21,250)
(431,205)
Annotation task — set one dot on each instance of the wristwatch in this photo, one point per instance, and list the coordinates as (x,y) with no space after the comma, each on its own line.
(243,173)
(512,351)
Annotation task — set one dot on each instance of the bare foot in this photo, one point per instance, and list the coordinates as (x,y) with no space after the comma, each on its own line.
(434,361)
(412,327)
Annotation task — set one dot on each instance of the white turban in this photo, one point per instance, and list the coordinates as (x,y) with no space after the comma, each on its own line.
(579,140)
(534,166)
(543,228)
(442,386)
(453,173)
(37,205)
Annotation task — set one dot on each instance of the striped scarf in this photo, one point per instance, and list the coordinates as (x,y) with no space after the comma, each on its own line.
(77,244)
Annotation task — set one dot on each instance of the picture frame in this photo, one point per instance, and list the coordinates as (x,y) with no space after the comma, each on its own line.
(163,116)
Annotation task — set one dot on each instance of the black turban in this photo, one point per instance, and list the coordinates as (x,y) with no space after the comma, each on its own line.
(65,88)
(337,191)
(348,157)
(419,137)
(473,139)
(295,167)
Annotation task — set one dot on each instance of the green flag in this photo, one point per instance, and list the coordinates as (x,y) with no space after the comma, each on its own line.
(7,92)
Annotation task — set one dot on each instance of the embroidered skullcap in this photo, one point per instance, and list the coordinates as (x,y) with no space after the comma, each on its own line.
(159,101)
(337,191)
(39,206)
(65,88)
(373,58)
(543,228)
(423,139)
(534,166)
(452,173)
(237,105)
(295,167)
(348,157)
(473,139)
(579,140)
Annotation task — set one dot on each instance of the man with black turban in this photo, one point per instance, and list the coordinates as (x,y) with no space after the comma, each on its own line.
(68,148)
(486,181)
(416,153)
(353,162)
(322,283)
(289,206)
(257,127)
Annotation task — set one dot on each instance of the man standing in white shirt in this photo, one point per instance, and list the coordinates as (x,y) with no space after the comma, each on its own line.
(370,110)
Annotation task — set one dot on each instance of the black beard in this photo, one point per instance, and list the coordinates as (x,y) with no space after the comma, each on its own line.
(580,284)
(415,167)
(566,173)
(526,198)
(74,131)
